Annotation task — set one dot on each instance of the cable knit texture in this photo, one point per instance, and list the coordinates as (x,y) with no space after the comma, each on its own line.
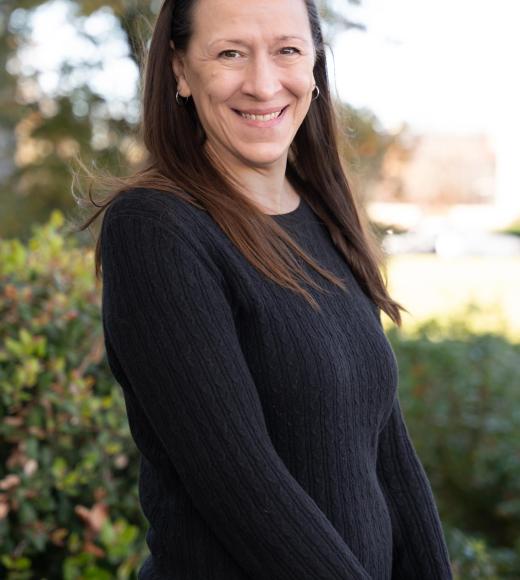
(272,442)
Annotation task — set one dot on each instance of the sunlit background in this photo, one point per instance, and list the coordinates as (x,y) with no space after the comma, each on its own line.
(444,68)
(428,96)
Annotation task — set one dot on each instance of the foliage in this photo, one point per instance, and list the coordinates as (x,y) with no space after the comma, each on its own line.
(366,145)
(470,557)
(68,505)
(461,398)
(513,228)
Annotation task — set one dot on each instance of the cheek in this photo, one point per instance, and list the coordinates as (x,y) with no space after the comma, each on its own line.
(216,86)
(300,82)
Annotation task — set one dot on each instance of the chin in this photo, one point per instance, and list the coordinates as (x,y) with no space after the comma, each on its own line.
(260,161)
(264,157)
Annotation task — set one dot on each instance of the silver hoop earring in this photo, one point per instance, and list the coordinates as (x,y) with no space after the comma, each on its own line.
(317,94)
(181,102)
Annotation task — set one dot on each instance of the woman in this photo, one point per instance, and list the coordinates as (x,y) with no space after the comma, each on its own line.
(241,301)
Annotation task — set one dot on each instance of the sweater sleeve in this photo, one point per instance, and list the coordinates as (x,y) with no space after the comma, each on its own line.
(420,550)
(171,327)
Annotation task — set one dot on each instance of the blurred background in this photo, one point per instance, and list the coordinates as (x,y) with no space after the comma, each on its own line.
(427,95)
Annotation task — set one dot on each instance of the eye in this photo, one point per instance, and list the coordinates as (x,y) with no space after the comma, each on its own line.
(227,52)
(296,50)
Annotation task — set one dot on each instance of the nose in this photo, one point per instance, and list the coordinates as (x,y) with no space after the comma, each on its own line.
(262,78)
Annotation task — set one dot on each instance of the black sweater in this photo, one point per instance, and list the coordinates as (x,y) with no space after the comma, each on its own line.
(272,442)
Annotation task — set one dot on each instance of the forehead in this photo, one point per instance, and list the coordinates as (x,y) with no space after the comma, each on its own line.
(248,19)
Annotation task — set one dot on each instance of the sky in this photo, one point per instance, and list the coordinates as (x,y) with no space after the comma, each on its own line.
(442,65)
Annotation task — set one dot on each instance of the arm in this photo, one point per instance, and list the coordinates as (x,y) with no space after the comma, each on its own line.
(172,329)
(419,546)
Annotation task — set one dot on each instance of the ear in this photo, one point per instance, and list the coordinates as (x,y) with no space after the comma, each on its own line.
(178,68)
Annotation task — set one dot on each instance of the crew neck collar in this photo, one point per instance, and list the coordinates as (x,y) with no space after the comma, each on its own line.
(291,214)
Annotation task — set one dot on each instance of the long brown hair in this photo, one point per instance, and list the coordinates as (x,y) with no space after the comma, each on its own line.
(177,163)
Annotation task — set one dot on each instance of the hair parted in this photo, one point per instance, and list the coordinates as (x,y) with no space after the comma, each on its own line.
(176,163)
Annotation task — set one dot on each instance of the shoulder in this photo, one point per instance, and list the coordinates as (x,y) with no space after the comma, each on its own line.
(171,210)
(175,214)
(145,218)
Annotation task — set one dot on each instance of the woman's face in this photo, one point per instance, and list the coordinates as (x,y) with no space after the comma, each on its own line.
(245,58)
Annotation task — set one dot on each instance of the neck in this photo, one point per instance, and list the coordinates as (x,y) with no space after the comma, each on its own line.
(267,186)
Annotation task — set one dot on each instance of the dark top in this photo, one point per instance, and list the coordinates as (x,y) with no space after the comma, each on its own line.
(272,441)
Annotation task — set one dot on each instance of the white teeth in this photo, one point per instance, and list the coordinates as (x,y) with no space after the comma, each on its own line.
(261,117)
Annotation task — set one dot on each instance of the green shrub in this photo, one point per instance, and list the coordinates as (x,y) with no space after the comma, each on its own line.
(461,398)
(470,557)
(513,228)
(68,501)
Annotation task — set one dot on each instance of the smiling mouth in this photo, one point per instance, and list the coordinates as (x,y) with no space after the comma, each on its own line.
(268,117)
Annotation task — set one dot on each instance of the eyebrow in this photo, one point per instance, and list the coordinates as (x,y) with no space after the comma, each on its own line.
(277,38)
